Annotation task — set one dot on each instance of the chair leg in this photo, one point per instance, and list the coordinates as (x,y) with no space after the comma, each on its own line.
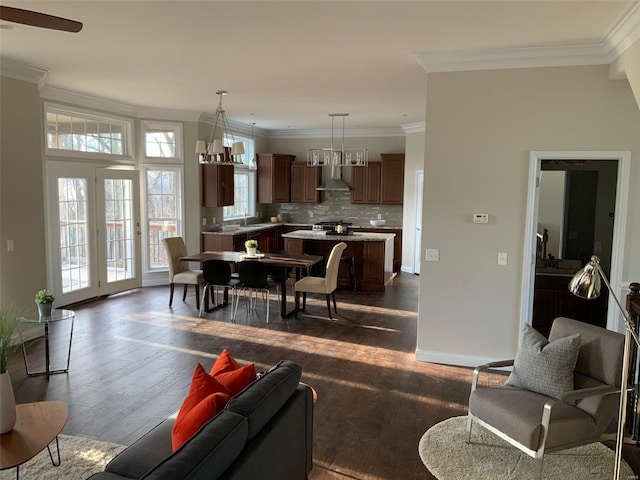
(537,472)
(304,301)
(333,296)
(469,426)
(329,306)
(204,293)
(184,292)
(268,302)
(297,305)
(171,287)
(197,296)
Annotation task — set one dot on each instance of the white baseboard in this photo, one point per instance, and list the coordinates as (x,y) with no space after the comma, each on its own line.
(457,359)
(407,269)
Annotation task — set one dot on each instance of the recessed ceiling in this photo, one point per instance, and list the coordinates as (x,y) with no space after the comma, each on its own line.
(287,64)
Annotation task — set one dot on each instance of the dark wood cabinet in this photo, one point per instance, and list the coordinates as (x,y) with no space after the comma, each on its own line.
(365,183)
(379,183)
(392,180)
(304,183)
(397,243)
(552,299)
(216,185)
(274,177)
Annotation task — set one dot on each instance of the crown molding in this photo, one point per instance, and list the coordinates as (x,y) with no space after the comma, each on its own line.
(326,133)
(619,37)
(506,58)
(237,127)
(24,72)
(418,127)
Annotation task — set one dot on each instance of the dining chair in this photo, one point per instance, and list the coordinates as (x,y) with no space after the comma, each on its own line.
(217,274)
(254,278)
(277,273)
(179,271)
(326,285)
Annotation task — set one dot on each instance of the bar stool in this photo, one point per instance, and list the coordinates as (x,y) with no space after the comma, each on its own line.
(352,269)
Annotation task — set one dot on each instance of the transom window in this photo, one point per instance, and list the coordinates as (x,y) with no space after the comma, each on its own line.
(244,179)
(162,140)
(74,130)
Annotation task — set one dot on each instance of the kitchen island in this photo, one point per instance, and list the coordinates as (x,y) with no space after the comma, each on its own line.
(372,253)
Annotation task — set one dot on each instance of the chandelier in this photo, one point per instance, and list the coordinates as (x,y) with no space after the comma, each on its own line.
(214,149)
(337,156)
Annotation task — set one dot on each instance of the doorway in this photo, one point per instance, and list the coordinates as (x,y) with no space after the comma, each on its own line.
(93,246)
(417,256)
(611,249)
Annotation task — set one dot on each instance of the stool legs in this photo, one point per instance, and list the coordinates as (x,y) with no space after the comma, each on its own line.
(352,269)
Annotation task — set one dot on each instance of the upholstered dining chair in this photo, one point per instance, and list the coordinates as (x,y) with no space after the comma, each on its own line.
(254,279)
(562,417)
(324,285)
(217,274)
(179,271)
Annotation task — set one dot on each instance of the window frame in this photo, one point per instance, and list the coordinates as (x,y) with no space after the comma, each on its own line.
(88,115)
(147,125)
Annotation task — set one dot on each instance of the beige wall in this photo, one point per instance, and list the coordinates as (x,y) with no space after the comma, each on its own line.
(414,161)
(22,271)
(628,65)
(481,127)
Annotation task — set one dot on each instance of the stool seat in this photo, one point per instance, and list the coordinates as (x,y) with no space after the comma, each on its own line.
(352,269)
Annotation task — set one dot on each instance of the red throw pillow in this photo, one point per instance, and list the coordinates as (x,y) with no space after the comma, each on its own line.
(224,363)
(229,373)
(207,396)
(237,380)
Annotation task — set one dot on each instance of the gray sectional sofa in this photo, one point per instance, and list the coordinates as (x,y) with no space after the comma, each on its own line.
(265,432)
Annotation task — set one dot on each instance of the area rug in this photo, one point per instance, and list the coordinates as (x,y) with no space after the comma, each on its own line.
(447,456)
(80,458)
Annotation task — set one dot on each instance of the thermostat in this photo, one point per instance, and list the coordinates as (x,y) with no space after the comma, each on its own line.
(480,218)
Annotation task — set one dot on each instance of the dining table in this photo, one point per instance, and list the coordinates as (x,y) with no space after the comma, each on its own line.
(298,263)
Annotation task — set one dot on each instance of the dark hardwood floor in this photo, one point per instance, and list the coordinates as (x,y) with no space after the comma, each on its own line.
(133,357)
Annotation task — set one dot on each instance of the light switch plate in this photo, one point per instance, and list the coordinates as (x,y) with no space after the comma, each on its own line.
(503,258)
(432,255)
(480,218)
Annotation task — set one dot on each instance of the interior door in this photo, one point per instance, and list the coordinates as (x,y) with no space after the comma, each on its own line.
(118,230)
(418,233)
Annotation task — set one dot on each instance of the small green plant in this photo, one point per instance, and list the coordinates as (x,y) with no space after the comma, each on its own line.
(44,296)
(251,244)
(8,323)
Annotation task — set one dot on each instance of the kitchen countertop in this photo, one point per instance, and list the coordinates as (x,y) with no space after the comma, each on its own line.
(355,237)
(262,226)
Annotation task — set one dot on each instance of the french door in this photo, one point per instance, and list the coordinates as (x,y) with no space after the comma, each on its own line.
(94,231)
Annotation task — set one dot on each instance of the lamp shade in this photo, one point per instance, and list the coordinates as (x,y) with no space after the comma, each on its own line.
(237,148)
(201,146)
(586,283)
(217,147)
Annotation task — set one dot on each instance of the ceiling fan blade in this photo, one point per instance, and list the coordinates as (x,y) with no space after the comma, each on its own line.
(36,19)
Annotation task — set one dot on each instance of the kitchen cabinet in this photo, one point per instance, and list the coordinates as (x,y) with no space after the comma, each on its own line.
(216,185)
(380,182)
(392,181)
(269,239)
(274,177)
(304,183)
(365,183)
(397,243)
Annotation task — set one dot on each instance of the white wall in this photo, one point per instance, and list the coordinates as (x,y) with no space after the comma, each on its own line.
(481,127)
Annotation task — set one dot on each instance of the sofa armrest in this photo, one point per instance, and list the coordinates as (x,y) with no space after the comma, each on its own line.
(572,396)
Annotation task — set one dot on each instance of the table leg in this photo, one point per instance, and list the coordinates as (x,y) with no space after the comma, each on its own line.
(51,455)
(46,349)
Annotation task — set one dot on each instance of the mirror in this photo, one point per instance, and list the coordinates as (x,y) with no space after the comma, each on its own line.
(575,212)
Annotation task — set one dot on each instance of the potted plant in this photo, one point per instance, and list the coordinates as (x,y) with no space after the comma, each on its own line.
(44,300)
(251,246)
(8,323)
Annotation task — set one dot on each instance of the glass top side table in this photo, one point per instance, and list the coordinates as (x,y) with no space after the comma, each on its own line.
(33,318)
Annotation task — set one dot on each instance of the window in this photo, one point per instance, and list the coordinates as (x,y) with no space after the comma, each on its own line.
(74,130)
(162,141)
(164,212)
(244,195)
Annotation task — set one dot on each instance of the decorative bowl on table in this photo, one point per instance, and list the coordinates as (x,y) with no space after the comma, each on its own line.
(377,223)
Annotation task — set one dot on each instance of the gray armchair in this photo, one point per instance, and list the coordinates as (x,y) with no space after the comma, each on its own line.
(538,424)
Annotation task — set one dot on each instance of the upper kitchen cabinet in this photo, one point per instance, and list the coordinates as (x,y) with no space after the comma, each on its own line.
(379,183)
(392,182)
(304,183)
(216,184)
(274,177)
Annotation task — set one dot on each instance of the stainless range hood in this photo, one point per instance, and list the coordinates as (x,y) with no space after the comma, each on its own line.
(335,183)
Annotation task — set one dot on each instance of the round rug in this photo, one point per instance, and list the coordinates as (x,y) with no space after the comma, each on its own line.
(447,456)
(80,458)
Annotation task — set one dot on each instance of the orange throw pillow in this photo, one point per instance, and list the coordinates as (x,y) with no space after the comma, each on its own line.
(207,396)
(228,372)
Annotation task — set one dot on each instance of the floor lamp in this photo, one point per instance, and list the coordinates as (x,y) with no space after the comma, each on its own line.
(586,284)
